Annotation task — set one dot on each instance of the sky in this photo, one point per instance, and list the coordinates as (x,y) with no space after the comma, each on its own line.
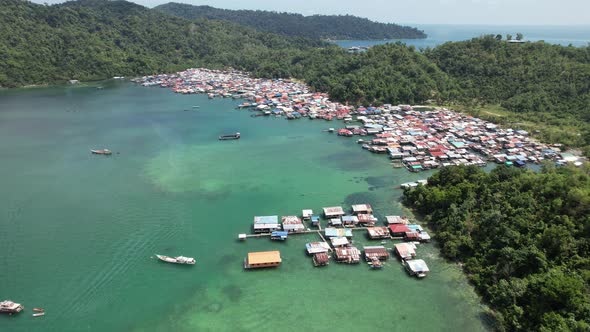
(496,12)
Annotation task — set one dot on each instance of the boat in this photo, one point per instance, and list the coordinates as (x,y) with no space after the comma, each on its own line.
(38,309)
(38,314)
(196,106)
(177,260)
(229,137)
(375,263)
(105,152)
(11,307)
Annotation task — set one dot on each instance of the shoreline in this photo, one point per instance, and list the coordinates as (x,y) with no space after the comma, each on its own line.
(415,137)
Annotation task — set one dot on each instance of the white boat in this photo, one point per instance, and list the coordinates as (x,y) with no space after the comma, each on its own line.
(177,260)
(105,152)
(38,314)
(10,307)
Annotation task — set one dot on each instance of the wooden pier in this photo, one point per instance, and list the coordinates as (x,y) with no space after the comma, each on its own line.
(308,231)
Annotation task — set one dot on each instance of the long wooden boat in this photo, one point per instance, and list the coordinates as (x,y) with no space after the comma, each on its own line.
(229,137)
(105,152)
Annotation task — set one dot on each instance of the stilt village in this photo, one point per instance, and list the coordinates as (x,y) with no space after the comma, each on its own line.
(336,240)
(415,137)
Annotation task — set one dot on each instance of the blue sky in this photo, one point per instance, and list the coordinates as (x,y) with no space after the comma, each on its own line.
(513,12)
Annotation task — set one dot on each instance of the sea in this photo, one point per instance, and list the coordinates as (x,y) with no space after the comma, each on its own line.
(78,232)
(575,35)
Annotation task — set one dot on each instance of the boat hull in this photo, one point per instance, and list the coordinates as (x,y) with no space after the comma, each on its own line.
(173,260)
(102,152)
(229,137)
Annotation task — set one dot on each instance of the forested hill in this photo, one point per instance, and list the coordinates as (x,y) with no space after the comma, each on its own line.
(316,26)
(97,39)
(523,236)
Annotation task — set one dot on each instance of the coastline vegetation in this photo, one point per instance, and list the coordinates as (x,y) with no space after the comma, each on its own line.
(95,39)
(297,25)
(523,238)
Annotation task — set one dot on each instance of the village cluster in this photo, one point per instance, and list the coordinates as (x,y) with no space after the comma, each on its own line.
(337,239)
(415,138)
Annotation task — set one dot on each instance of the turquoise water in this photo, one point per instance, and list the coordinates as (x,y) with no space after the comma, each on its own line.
(78,231)
(440,33)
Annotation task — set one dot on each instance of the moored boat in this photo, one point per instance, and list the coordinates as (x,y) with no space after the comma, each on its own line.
(38,309)
(375,263)
(105,152)
(229,137)
(177,260)
(11,307)
(38,314)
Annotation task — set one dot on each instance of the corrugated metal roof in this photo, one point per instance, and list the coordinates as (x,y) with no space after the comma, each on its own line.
(262,257)
(290,220)
(338,232)
(361,207)
(399,228)
(316,247)
(333,211)
(266,219)
(339,241)
(418,265)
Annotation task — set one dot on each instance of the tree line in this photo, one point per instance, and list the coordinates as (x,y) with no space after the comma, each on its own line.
(289,24)
(523,238)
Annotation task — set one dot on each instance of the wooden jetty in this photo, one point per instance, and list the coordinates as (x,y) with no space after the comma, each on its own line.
(309,231)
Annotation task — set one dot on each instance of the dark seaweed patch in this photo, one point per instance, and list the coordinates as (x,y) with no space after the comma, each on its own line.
(233,292)
(227,259)
(214,307)
(345,161)
(378,181)
(215,195)
(360,198)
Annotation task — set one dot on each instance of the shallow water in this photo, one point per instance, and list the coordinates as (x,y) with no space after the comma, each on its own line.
(78,231)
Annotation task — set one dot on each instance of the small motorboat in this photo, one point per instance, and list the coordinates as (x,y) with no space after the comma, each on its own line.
(38,314)
(38,309)
(229,137)
(196,106)
(177,260)
(11,307)
(105,152)
(375,263)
